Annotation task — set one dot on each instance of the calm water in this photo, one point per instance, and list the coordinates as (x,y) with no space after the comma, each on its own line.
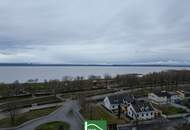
(10,74)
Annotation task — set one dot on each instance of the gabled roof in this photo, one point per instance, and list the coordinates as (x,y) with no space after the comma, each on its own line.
(142,106)
(120,98)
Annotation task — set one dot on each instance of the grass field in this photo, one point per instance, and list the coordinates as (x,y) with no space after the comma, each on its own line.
(56,125)
(99,113)
(6,122)
(169,110)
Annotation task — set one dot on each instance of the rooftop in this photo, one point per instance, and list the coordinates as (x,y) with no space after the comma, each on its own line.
(164,94)
(119,99)
(142,106)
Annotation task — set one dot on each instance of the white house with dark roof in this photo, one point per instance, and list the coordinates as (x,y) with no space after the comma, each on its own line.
(141,110)
(112,102)
(163,97)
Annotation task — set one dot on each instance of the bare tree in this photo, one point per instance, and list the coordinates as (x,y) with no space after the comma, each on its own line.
(107,77)
(13,110)
(84,103)
(16,88)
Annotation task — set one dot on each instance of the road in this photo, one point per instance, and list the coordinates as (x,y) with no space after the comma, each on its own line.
(115,93)
(62,114)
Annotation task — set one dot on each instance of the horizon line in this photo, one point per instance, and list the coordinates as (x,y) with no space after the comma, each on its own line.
(62,64)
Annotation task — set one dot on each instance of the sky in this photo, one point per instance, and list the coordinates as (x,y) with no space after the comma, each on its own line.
(95,31)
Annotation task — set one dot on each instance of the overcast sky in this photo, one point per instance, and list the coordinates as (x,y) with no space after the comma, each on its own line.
(95,31)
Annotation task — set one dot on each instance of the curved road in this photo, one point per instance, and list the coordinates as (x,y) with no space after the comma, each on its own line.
(62,114)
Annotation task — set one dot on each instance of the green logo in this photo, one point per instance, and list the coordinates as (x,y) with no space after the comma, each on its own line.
(95,125)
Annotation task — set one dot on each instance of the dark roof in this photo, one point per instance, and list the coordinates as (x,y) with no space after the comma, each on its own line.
(163,94)
(142,106)
(118,99)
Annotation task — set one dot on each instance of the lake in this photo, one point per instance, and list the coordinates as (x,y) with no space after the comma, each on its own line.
(11,73)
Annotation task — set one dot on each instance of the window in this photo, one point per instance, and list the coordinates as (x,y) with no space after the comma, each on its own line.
(142,114)
(146,114)
(151,113)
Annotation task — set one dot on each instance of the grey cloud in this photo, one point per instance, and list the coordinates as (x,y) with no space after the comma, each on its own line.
(98,31)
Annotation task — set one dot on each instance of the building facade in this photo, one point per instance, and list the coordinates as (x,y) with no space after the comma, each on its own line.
(112,102)
(141,110)
(164,97)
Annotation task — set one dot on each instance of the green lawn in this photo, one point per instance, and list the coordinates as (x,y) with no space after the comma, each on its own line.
(170,110)
(99,113)
(6,122)
(56,125)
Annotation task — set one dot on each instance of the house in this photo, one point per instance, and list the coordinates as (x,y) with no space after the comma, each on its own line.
(112,102)
(163,97)
(158,97)
(183,94)
(174,97)
(141,110)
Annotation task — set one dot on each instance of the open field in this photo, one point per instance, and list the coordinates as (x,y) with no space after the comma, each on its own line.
(6,122)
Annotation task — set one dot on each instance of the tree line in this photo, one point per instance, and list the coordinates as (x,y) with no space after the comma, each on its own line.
(69,84)
(163,78)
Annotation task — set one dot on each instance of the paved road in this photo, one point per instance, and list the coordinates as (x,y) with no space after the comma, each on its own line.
(62,114)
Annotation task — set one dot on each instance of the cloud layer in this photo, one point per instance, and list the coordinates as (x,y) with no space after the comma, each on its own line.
(96,31)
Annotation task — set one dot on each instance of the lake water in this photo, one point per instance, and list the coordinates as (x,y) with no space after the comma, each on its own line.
(12,73)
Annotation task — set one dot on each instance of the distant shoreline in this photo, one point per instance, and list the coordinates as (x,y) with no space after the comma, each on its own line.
(24,72)
(95,65)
